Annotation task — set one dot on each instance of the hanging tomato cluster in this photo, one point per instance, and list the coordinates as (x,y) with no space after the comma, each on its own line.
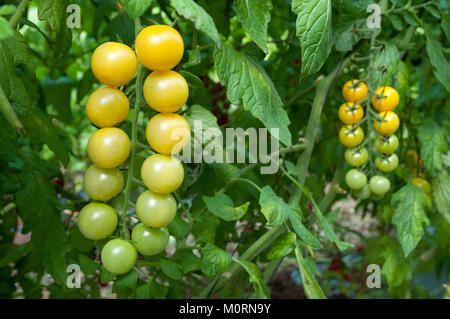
(351,135)
(159,48)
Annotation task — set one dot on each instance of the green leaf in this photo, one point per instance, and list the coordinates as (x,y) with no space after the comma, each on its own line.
(254,16)
(313,28)
(7,9)
(40,216)
(87,265)
(199,113)
(249,85)
(5,29)
(143,291)
(305,235)
(79,241)
(256,278)
(441,66)
(195,13)
(125,285)
(222,206)
(273,208)
(192,80)
(186,260)
(283,246)
(441,194)
(136,8)
(433,144)
(396,267)
(57,93)
(214,260)
(178,227)
(386,61)
(171,269)
(105,275)
(310,285)
(409,215)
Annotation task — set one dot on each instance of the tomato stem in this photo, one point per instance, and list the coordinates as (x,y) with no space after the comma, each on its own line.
(18,13)
(8,111)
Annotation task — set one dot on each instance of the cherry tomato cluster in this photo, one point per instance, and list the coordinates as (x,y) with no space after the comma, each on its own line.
(159,48)
(351,135)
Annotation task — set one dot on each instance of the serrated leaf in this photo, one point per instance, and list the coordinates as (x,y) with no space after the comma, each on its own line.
(396,267)
(171,269)
(249,85)
(186,260)
(178,227)
(305,235)
(313,29)
(409,217)
(256,278)
(310,285)
(433,144)
(143,291)
(105,275)
(222,206)
(282,246)
(386,61)
(254,16)
(441,66)
(441,194)
(195,13)
(125,285)
(214,260)
(136,8)
(87,265)
(273,208)
(57,93)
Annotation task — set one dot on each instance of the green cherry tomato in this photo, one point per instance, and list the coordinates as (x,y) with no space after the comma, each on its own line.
(356,157)
(386,164)
(118,256)
(97,221)
(156,210)
(355,179)
(149,241)
(162,173)
(386,144)
(363,193)
(103,183)
(379,185)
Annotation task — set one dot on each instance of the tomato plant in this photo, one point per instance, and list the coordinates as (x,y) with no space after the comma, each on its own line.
(187,149)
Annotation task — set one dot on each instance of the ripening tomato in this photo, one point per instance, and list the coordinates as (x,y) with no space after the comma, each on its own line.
(363,193)
(97,221)
(386,144)
(349,113)
(162,173)
(355,156)
(168,133)
(379,185)
(103,183)
(351,136)
(355,179)
(107,107)
(156,210)
(118,256)
(109,147)
(165,91)
(354,91)
(114,64)
(422,184)
(149,241)
(385,99)
(386,164)
(389,124)
(159,47)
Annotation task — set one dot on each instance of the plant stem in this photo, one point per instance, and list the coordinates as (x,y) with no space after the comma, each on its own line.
(18,13)
(8,111)
(242,180)
(134,125)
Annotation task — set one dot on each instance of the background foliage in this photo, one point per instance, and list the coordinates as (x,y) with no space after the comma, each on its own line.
(249,64)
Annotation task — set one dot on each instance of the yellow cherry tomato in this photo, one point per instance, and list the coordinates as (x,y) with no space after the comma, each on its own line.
(109,147)
(103,183)
(349,113)
(422,184)
(162,173)
(389,124)
(385,99)
(353,92)
(159,47)
(351,136)
(114,64)
(165,91)
(168,133)
(107,107)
